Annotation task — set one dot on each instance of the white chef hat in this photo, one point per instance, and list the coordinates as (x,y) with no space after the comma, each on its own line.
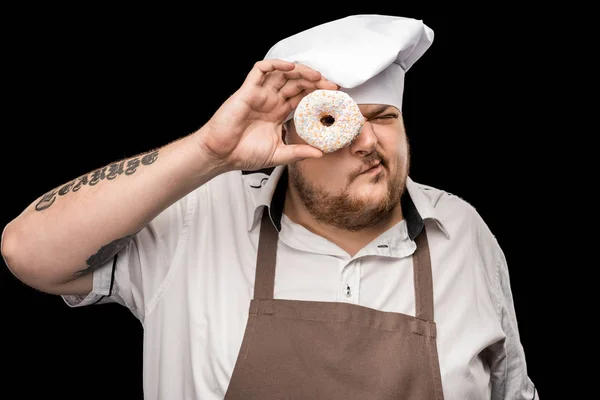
(366,55)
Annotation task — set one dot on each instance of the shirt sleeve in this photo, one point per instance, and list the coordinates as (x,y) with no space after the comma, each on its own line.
(508,366)
(135,276)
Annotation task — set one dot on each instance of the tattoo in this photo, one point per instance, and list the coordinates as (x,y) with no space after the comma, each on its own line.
(109,172)
(46,201)
(105,254)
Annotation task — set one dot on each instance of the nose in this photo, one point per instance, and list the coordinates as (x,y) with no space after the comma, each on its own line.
(366,141)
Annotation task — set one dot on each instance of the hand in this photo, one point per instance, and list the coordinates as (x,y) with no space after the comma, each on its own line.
(246,131)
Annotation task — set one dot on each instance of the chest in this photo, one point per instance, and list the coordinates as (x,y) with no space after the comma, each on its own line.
(204,309)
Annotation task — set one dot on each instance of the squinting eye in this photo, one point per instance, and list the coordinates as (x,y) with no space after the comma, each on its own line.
(387,116)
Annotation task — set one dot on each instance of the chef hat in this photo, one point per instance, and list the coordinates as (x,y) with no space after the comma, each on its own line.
(366,55)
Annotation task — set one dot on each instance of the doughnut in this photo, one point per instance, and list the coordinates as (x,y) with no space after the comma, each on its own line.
(328,119)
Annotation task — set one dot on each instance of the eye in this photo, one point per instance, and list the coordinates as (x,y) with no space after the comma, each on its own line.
(383,117)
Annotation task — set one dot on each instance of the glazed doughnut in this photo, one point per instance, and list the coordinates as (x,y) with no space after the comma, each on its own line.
(328,119)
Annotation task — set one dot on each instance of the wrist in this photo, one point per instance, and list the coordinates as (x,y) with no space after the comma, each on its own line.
(208,152)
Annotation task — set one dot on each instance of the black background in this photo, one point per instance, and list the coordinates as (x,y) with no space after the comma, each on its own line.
(90,87)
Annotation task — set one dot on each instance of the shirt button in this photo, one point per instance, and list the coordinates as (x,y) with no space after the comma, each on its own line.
(348,291)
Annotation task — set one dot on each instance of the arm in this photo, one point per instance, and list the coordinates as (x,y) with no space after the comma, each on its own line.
(56,241)
(510,379)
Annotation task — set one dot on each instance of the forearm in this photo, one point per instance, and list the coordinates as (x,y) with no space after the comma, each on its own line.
(80,225)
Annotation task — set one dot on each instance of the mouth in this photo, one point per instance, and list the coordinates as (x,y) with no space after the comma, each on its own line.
(373,168)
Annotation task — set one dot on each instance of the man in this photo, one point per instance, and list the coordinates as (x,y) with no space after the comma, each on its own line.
(262,268)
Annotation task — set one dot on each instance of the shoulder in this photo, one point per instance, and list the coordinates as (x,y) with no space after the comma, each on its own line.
(235,181)
(220,188)
(458,215)
(233,196)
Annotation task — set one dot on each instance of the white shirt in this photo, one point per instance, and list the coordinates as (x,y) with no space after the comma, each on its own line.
(188,277)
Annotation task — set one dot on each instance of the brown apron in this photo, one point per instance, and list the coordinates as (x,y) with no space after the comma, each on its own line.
(328,350)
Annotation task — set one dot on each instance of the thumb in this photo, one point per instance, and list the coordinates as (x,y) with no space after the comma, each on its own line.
(291,153)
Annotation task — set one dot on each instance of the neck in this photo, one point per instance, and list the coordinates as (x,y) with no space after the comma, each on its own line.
(350,241)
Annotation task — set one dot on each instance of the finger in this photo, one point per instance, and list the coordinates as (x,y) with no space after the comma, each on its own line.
(278,79)
(325,84)
(292,88)
(291,153)
(303,72)
(260,68)
(275,80)
(295,100)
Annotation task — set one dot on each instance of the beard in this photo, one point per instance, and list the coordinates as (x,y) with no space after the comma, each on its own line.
(344,211)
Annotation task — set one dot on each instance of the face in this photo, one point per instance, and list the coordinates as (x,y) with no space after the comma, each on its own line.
(359,185)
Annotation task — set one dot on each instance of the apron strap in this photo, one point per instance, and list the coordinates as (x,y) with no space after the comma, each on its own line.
(423,278)
(264,283)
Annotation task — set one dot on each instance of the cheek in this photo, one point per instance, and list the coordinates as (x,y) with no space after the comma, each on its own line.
(397,152)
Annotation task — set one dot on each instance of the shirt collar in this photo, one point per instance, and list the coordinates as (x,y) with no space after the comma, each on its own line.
(269,191)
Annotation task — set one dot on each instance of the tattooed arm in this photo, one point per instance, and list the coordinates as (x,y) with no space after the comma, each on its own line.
(79,226)
(82,224)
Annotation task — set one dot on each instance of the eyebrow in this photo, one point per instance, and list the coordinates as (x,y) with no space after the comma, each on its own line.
(376,111)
